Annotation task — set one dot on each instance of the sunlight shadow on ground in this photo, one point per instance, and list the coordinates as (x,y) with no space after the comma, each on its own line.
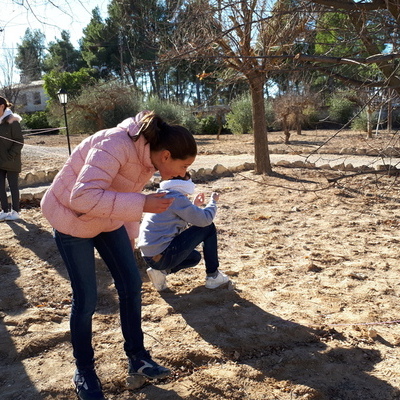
(279,348)
(46,251)
(12,300)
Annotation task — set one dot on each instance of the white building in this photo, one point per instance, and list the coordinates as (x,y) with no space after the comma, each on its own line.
(31,97)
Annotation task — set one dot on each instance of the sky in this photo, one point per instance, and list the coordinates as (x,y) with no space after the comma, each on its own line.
(51,17)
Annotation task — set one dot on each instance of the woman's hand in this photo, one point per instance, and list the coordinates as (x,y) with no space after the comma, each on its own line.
(199,200)
(156,203)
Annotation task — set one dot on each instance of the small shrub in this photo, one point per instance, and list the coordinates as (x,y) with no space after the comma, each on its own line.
(190,122)
(341,109)
(100,106)
(240,119)
(169,111)
(311,117)
(360,122)
(209,125)
(270,116)
(173,113)
(36,120)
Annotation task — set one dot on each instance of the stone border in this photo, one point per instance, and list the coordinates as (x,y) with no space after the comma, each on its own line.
(34,184)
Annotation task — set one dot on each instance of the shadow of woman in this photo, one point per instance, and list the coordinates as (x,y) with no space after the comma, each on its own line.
(12,371)
(280,349)
(42,243)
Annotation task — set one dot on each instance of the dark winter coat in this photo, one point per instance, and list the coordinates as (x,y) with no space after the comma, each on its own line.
(11,143)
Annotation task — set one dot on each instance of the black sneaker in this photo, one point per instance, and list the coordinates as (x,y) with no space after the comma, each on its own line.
(87,385)
(142,364)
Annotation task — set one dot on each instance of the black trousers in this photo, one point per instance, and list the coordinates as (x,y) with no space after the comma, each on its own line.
(12,178)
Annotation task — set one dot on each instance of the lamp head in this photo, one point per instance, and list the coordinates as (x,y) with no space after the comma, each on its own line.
(62,96)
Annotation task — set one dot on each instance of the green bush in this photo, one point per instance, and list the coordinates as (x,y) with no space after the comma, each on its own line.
(190,122)
(100,106)
(72,82)
(173,113)
(208,125)
(311,118)
(341,109)
(169,111)
(36,120)
(360,122)
(239,120)
(270,115)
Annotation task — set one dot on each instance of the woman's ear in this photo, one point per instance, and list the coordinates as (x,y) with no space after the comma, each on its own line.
(165,155)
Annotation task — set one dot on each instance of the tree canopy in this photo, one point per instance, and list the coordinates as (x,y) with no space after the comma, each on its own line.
(209,51)
(30,54)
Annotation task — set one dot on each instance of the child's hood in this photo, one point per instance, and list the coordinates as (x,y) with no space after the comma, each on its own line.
(180,185)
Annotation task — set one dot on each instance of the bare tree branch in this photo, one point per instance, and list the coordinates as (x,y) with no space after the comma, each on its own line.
(349,5)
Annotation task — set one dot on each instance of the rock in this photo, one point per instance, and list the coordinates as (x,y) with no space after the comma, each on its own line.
(51,174)
(283,163)
(298,164)
(249,166)
(349,167)
(325,166)
(220,170)
(340,167)
(135,381)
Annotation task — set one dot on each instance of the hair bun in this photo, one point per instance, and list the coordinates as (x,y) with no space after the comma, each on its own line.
(163,125)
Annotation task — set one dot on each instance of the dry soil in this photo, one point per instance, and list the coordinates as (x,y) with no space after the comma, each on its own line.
(314,313)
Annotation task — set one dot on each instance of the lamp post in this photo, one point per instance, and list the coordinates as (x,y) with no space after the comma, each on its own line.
(63,99)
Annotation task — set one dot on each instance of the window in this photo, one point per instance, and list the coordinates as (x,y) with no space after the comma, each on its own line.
(22,99)
(36,98)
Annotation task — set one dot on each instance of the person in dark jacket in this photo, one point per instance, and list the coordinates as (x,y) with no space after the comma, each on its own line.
(11,143)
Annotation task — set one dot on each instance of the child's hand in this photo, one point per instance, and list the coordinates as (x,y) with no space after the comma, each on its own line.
(199,200)
(215,196)
(156,203)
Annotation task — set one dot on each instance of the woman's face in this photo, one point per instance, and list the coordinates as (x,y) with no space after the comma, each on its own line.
(2,108)
(168,166)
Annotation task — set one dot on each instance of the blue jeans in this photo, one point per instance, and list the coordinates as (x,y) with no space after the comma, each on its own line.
(116,250)
(181,251)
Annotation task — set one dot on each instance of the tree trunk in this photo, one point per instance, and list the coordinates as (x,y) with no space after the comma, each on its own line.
(261,152)
(369,123)
(198,92)
(220,121)
(298,122)
(286,130)
(389,112)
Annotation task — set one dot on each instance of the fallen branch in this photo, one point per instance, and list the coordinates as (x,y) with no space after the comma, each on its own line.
(390,172)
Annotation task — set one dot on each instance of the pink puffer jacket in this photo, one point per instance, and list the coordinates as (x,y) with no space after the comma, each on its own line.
(98,188)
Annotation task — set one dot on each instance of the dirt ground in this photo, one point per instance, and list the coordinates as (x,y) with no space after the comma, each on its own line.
(314,313)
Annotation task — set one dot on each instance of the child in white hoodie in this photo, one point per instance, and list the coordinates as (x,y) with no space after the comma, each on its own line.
(168,240)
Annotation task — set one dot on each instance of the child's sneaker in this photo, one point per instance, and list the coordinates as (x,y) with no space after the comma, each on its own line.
(87,385)
(220,279)
(3,215)
(12,216)
(142,364)
(158,278)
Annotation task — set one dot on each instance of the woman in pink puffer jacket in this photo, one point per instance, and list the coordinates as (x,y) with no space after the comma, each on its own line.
(95,203)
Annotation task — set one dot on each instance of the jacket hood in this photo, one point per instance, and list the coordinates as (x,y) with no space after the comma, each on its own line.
(10,117)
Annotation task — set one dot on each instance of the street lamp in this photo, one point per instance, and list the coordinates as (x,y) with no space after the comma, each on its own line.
(63,99)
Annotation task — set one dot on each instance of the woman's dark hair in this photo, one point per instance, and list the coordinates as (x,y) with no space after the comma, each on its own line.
(4,101)
(182,178)
(162,136)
